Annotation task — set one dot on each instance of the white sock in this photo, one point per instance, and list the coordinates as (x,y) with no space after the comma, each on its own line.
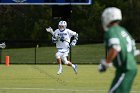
(60,67)
(73,66)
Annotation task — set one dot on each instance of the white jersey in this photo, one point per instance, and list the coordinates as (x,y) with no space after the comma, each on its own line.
(66,34)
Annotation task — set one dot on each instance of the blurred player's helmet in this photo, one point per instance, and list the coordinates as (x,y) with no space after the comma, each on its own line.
(62,25)
(109,15)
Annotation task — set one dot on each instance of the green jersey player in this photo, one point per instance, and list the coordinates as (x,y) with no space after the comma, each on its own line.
(120,50)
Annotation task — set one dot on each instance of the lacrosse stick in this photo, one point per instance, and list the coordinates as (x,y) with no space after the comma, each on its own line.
(50,30)
(2,45)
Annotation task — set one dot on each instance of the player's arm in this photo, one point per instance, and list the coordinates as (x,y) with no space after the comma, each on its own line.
(115,47)
(75,35)
(105,63)
(111,55)
(55,37)
(54,34)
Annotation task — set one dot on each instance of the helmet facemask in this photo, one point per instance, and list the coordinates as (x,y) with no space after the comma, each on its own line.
(62,25)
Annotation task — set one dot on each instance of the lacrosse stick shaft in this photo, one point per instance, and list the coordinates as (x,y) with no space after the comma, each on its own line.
(52,33)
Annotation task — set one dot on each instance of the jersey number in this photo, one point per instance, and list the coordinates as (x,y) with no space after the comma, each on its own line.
(129,41)
(129,44)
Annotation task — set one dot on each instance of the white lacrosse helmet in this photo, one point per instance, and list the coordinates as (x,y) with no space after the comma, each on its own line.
(62,25)
(109,15)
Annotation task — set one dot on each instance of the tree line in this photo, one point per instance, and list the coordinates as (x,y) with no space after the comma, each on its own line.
(28,22)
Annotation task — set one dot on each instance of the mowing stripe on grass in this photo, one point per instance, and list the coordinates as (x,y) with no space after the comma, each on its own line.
(52,89)
(59,80)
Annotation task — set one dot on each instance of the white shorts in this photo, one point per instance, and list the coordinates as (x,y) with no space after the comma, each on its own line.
(62,53)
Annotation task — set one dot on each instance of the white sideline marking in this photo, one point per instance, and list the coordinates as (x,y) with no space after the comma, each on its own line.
(52,89)
(49,89)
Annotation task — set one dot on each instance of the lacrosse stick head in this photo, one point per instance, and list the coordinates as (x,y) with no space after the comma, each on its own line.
(2,45)
(50,30)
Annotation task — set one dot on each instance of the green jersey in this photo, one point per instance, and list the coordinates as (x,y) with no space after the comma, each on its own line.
(117,35)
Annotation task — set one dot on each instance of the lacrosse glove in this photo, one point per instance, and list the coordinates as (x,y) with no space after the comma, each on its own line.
(54,39)
(73,43)
(103,66)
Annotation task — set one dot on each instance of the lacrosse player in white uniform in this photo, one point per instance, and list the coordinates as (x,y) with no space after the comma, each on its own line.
(62,37)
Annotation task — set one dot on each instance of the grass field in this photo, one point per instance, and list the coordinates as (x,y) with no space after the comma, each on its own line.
(43,79)
(23,78)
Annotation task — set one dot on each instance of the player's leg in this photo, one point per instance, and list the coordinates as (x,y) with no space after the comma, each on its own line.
(116,82)
(68,63)
(59,66)
(58,57)
(123,82)
(127,83)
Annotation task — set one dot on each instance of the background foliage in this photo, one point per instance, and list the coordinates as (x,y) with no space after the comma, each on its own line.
(20,23)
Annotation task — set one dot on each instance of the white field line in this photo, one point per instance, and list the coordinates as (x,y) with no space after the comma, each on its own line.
(52,89)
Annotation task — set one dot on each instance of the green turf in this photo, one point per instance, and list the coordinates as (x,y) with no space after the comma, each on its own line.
(43,79)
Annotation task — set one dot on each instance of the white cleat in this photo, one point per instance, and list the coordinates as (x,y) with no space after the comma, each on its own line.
(75,69)
(59,72)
